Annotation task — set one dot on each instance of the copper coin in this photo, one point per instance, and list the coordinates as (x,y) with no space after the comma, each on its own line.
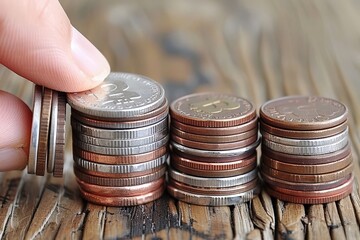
(212,166)
(303,134)
(213,159)
(213,139)
(313,194)
(60,136)
(212,110)
(220,131)
(215,146)
(307,168)
(91,119)
(123,159)
(303,113)
(307,178)
(214,191)
(123,191)
(118,175)
(315,159)
(309,200)
(123,201)
(206,173)
(119,182)
(119,124)
(44,131)
(303,186)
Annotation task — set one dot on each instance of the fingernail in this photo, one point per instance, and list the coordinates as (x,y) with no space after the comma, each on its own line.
(12,159)
(88,58)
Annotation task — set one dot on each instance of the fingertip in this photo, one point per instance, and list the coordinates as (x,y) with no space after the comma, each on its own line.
(12,159)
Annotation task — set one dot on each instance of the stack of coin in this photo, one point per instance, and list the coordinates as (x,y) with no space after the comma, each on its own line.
(120,137)
(306,156)
(213,149)
(47,142)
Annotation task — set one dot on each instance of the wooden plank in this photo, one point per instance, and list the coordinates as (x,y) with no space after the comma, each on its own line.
(242,221)
(348,219)
(334,222)
(262,216)
(94,222)
(317,227)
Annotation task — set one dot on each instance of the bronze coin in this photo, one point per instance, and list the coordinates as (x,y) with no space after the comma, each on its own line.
(304,199)
(206,173)
(306,168)
(60,136)
(303,113)
(307,178)
(213,159)
(212,110)
(123,159)
(117,175)
(303,134)
(117,123)
(44,131)
(123,201)
(214,191)
(315,159)
(303,186)
(220,131)
(119,182)
(213,139)
(218,166)
(123,191)
(215,146)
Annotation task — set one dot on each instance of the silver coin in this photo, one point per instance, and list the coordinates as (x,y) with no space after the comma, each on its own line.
(214,153)
(219,182)
(305,142)
(306,151)
(120,168)
(53,132)
(207,200)
(120,133)
(120,95)
(35,130)
(121,151)
(119,143)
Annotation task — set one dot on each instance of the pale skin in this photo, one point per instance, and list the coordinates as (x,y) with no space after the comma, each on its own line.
(38,42)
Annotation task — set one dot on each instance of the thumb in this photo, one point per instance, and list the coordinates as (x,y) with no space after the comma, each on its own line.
(38,42)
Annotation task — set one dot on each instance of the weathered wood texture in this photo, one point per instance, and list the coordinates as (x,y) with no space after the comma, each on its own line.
(256,49)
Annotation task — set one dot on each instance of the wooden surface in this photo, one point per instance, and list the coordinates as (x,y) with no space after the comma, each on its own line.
(256,49)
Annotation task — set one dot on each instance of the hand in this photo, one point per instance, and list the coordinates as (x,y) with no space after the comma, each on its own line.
(38,42)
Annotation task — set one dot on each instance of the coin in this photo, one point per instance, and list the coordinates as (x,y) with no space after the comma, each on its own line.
(121,124)
(303,113)
(316,150)
(215,146)
(215,153)
(120,159)
(214,191)
(120,182)
(123,201)
(123,191)
(119,133)
(44,131)
(306,142)
(307,178)
(207,200)
(212,110)
(35,130)
(303,134)
(120,95)
(307,168)
(213,139)
(121,151)
(314,159)
(220,131)
(212,182)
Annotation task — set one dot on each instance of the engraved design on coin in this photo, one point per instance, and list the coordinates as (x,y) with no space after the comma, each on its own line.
(211,106)
(120,95)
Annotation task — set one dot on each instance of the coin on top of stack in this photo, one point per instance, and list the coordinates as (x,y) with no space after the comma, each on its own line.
(306,156)
(120,136)
(213,149)
(47,141)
